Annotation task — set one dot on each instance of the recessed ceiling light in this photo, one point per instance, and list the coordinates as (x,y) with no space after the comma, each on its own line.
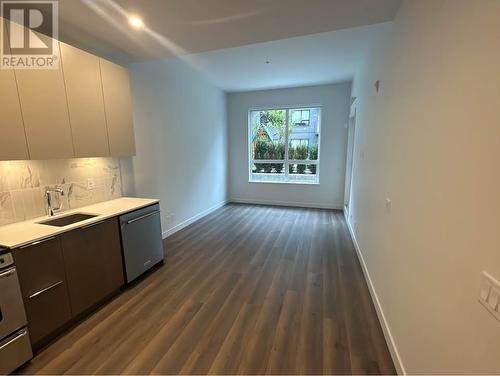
(136,22)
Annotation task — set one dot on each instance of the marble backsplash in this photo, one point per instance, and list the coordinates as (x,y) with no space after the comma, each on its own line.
(23,185)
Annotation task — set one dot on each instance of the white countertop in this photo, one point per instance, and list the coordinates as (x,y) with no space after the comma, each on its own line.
(22,233)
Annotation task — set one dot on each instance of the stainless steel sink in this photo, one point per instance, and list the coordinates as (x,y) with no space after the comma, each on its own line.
(67,220)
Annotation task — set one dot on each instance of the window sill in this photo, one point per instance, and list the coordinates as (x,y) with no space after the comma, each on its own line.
(284,182)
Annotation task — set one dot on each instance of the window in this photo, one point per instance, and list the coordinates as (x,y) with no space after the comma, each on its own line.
(281,149)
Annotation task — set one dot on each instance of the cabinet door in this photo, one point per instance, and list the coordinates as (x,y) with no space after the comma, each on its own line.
(12,138)
(45,112)
(82,78)
(118,105)
(42,278)
(93,261)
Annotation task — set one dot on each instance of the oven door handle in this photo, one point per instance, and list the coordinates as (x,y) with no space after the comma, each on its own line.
(24,333)
(8,273)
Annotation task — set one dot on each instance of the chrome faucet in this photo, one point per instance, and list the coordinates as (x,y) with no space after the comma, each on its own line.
(51,211)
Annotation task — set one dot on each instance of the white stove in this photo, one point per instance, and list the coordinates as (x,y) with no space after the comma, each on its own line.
(15,347)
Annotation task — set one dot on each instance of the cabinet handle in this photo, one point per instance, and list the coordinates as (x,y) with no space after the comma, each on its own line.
(143,217)
(93,224)
(45,289)
(37,242)
(13,340)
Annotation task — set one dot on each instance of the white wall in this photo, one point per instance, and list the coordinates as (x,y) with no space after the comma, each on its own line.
(329,193)
(430,141)
(181,136)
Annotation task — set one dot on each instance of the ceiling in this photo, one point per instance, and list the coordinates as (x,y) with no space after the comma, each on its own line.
(180,27)
(314,59)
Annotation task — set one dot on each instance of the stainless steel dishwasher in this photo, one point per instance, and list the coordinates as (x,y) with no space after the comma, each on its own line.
(141,241)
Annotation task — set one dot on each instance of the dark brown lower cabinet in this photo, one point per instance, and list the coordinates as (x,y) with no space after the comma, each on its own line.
(62,277)
(40,267)
(93,263)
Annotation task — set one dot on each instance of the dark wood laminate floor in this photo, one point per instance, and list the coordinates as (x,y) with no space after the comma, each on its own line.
(246,290)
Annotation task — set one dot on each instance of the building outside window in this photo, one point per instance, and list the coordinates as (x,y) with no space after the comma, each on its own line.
(300,118)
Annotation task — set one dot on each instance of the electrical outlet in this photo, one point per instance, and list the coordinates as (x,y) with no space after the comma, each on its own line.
(90,183)
(489,294)
(388,204)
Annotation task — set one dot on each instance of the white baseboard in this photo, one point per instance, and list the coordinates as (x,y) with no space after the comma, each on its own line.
(193,219)
(287,203)
(396,358)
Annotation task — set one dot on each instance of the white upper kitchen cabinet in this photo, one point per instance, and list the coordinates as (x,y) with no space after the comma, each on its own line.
(12,137)
(45,111)
(82,78)
(118,107)
(81,109)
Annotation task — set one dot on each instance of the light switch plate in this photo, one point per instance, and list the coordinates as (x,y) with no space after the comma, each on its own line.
(489,294)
